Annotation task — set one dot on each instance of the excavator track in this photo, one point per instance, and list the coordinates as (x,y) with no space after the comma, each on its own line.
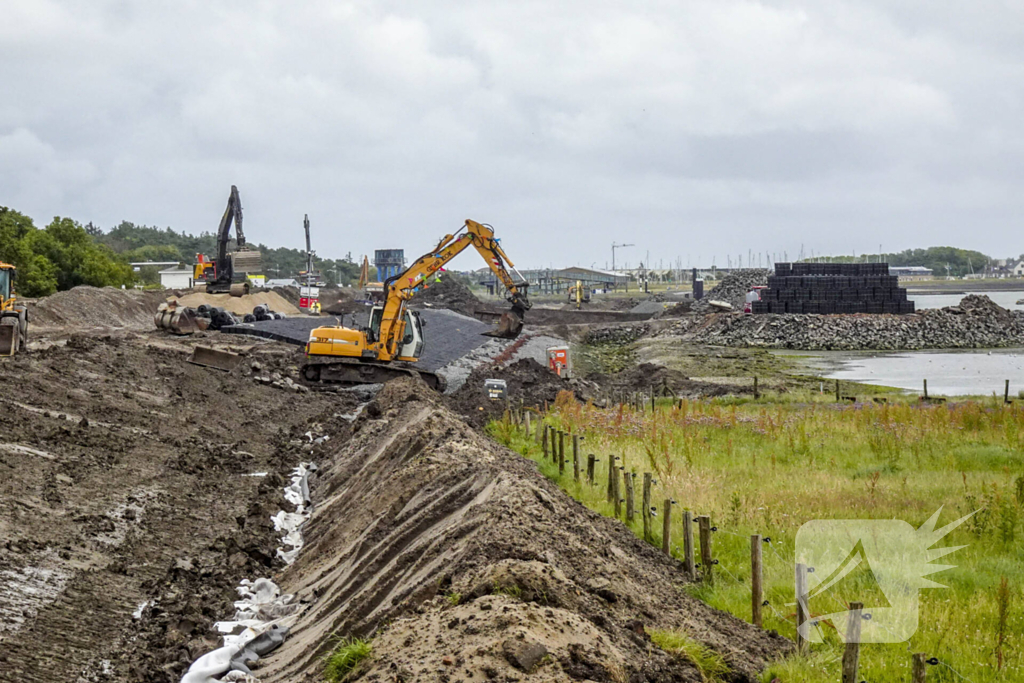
(332,372)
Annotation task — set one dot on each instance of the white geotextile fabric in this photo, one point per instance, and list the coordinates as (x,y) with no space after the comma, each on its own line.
(261,605)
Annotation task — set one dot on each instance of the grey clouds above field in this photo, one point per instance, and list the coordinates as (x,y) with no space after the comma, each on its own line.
(692,129)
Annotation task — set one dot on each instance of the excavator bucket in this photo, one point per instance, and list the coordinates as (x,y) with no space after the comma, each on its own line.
(212,358)
(8,336)
(509,326)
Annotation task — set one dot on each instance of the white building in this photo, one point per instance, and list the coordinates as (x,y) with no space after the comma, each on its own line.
(176,278)
(1018,270)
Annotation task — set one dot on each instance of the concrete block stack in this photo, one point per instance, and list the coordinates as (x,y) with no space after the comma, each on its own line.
(830,288)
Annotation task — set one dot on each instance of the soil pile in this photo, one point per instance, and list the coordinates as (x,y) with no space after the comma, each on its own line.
(448,293)
(527,380)
(85,307)
(124,483)
(733,289)
(240,305)
(681,308)
(463,562)
(289,294)
(664,381)
(339,301)
(976,322)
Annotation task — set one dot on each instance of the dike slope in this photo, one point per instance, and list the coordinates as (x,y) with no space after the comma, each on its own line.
(464,563)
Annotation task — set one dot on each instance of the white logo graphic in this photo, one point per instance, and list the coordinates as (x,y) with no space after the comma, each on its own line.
(881,563)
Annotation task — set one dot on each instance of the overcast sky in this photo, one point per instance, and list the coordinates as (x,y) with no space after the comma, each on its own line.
(693,129)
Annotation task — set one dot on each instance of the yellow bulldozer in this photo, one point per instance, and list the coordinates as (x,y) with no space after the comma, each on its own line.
(13,315)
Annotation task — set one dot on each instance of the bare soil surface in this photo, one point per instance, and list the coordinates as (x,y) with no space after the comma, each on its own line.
(90,307)
(464,563)
(122,482)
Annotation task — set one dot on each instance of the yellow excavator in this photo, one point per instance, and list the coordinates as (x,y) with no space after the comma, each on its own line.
(13,316)
(341,355)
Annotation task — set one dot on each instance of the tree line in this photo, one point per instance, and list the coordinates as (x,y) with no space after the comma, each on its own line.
(65,254)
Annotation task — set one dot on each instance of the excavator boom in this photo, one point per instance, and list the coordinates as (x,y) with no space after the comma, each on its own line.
(395,333)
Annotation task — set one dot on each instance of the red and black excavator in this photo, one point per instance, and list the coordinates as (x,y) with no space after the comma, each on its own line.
(341,355)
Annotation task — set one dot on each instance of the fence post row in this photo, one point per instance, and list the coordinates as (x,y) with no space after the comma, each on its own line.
(646,511)
(706,558)
(851,653)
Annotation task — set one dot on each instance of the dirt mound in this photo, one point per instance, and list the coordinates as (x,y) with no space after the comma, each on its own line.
(664,381)
(527,380)
(448,293)
(240,305)
(462,561)
(85,307)
(733,289)
(339,301)
(125,482)
(289,294)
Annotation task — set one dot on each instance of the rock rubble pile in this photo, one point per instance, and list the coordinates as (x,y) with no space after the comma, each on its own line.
(733,289)
(976,322)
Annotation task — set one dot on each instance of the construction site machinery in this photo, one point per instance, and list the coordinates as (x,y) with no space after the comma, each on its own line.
(341,355)
(13,315)
(230,274)
(578,294)
(309,279)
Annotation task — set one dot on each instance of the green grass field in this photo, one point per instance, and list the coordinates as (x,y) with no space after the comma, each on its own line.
(770,465)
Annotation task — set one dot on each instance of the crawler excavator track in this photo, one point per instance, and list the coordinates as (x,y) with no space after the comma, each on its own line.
(323,372)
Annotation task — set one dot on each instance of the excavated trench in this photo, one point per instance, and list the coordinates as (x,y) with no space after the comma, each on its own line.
(463,563)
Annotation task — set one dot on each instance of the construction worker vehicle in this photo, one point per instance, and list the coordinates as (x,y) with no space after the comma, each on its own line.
(394,337)
(13,315)
(578,294)
(230,271)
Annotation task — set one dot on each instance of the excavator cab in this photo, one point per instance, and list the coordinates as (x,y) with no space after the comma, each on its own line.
(411,345)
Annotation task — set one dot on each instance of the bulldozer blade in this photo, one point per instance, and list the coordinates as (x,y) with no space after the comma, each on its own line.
(8,337)
(509,327)
(212,358)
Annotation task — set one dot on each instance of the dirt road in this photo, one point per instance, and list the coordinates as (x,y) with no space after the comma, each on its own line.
(123,481)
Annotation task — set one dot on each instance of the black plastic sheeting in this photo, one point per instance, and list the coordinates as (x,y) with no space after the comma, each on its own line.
(448,336)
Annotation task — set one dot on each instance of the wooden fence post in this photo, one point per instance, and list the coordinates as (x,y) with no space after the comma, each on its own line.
(1006,392)
(576,457)
(706,559)
(926,390)
(616,492)
(537,431)
(917,673)
(801,608)
(837,391)
(590,469)
(756,591)
(546,428)
(611,477)
(645,513)
(630,493)
(689,562)
(652,400)
(561,452)
(757,394)
(666,527)
(527,423)
(851,654)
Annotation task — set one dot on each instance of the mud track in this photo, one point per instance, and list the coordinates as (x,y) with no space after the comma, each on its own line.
(463,562)
(122,481)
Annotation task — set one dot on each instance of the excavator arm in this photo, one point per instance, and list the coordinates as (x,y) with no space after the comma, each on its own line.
(400,288)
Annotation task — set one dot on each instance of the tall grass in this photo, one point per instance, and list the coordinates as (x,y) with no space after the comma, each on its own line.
(769,466)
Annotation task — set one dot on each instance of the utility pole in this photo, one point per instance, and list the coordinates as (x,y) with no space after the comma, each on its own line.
(618,246)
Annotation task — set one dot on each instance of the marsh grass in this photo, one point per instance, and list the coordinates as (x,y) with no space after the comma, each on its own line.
(768,466)
(345,658)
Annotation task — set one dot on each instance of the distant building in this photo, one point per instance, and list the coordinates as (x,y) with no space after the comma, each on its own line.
(176,278)
(139,265)
(911,272)
(1018,269)
(281,282)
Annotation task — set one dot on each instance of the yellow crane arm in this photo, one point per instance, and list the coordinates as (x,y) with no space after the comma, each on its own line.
(400,288)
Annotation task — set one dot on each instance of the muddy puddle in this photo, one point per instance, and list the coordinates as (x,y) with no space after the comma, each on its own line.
(949,373)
